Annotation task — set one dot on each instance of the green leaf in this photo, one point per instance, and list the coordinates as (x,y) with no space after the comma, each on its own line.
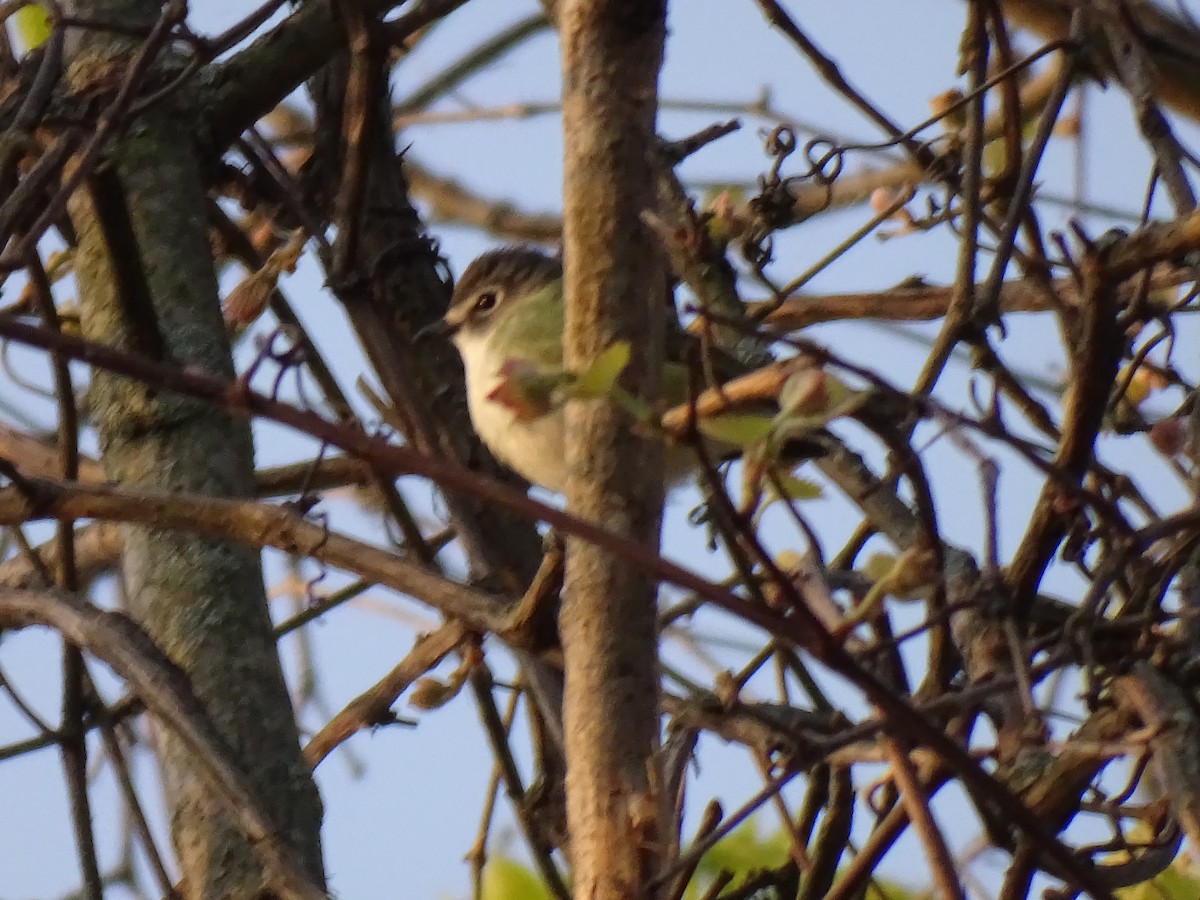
(1171,884)
(740,429)
(743,851)
(598,379)
(33,26)
(813,396)
(773,485)
(994,155)
(526,389)
(792,488)
(504,879)
(803,392)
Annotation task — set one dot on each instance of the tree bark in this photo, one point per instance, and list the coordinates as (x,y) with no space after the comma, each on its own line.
(147,285)
(611,54)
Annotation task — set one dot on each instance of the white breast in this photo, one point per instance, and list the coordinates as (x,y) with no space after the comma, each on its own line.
(535,449)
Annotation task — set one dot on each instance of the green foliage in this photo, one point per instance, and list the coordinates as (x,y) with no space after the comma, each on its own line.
(1173,884)
(32,26)
(528,390)
(504,879)
(601,376)
(1180,881)
(531,390)
(792,488)
(739,429)
(744,851)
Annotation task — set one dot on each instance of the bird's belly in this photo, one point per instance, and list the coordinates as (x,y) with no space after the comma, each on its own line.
(536,449)
(533,448)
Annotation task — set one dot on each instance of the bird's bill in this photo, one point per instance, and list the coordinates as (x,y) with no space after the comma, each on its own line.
(437,328)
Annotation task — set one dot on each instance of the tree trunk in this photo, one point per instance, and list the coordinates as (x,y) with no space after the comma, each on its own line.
(147,285)
(611,54)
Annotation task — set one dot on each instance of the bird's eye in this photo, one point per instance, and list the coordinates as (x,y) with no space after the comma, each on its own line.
(486,301)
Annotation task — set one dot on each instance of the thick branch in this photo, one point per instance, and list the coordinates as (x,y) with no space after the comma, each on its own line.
(147,284)
(611,53)
(256,525)
(253,82)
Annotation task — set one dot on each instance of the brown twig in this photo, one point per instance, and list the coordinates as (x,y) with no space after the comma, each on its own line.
(372,707)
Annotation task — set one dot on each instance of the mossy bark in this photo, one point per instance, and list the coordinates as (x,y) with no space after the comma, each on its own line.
(147,285)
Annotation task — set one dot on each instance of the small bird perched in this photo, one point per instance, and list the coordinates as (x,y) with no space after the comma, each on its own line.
(508,305)
(506,318)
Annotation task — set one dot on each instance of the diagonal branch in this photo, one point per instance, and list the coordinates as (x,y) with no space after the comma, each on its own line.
(118,642)
(251,83)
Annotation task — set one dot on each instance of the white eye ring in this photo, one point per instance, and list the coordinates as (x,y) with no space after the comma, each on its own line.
(486,301)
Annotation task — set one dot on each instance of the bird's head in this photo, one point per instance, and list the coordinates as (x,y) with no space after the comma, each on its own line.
(498,285)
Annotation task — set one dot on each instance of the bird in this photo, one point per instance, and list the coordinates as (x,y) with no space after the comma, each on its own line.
(508,306)
(506,316)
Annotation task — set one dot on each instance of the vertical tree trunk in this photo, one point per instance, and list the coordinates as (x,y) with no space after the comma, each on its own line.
(611,54)
(147,285)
